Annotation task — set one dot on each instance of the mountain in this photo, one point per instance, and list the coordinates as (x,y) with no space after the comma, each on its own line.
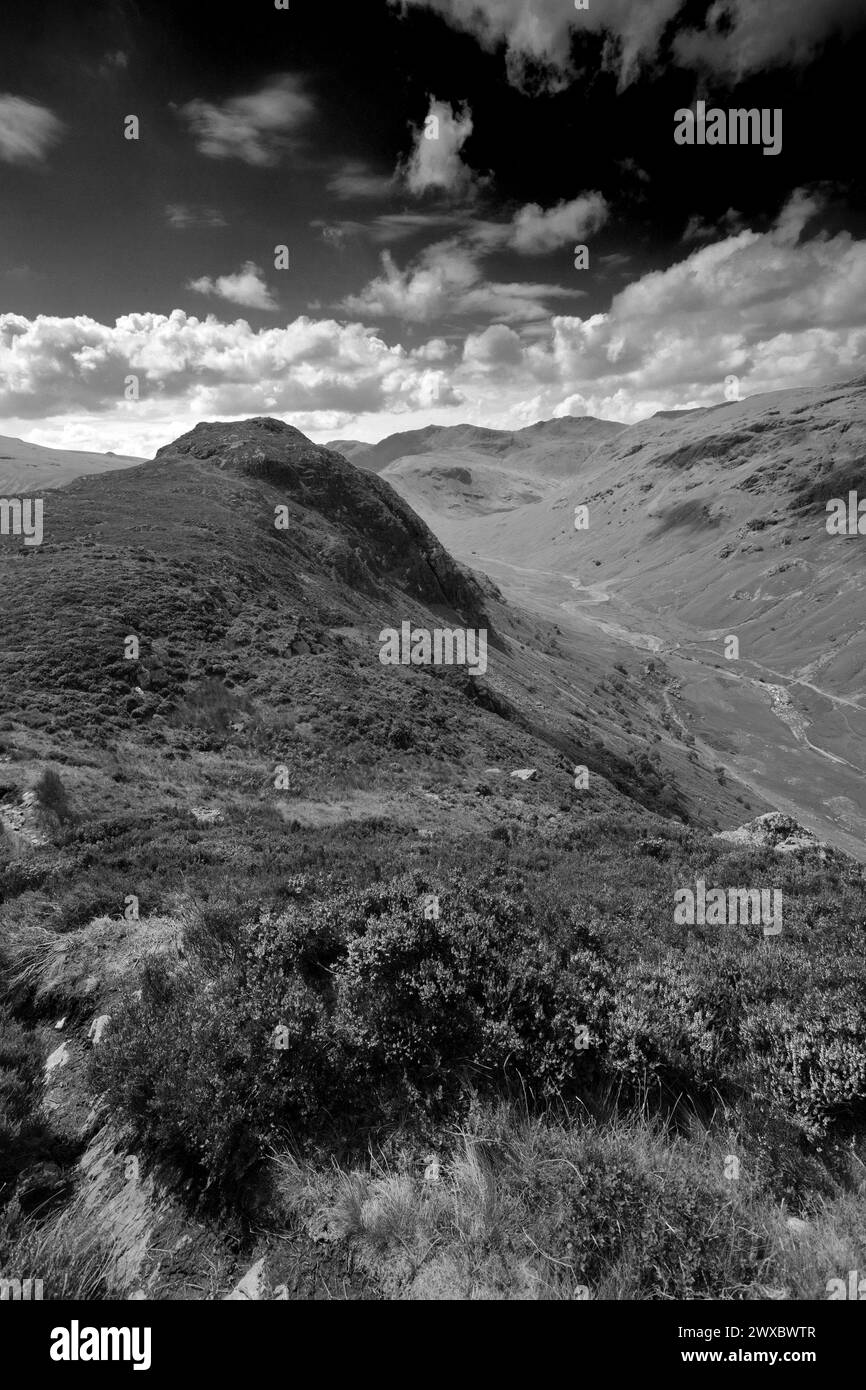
(28,467)
(462,470)
(183,553)
(536,445)
(348,447)
(703,525)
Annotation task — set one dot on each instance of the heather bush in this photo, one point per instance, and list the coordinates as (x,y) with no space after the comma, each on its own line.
(52,798)
(549,982)
(381,1011)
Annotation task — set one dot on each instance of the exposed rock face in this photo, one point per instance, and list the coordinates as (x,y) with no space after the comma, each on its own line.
(380,537)
(778,832)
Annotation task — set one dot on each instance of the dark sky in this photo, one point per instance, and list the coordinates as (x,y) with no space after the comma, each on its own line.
(261,126)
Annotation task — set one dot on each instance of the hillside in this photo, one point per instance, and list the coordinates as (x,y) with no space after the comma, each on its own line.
(28,467)
(319,974)
(183,552)
(462,470)
(703,525)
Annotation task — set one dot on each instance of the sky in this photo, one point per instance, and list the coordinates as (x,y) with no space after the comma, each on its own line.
(362,216)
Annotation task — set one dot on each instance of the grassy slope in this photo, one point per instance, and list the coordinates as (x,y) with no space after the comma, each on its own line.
(26,467)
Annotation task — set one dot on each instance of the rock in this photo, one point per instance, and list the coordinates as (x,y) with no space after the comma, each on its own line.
(98,1027)
(251,1287)
(59,1025)
(775,831)
(58,1058)
(795,1224)
(526,774)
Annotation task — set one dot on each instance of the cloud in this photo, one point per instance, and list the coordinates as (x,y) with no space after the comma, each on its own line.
(537,34)
(446,280)
(27,131)
(246,287)
(356,180)
(338,234)
(572,405)
(778,308)
(741,37)
(699,230)
(774,309)
(435,164)
(738,37)
(112,63)
(256,129)
(180,216)
(498,346)
(535,231)
(531,230)
(190,368)
(388,227)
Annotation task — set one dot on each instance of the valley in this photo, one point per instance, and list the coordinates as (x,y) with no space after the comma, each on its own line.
(698,529)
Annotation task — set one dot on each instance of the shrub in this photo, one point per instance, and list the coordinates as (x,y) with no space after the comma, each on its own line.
(383,1010)
(51,797)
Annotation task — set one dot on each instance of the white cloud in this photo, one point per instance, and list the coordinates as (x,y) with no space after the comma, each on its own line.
(699,230)
(435,163)
(202,369)
(436,350)
(387,227)
(537,34)
(742,37)
(181,216)
(27,131)
(535,231)
(572,405)
(256,128)
(246,287)
(446,279)
(498,346)
(356,180)
(738,37)
(774,308)
(425,291)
